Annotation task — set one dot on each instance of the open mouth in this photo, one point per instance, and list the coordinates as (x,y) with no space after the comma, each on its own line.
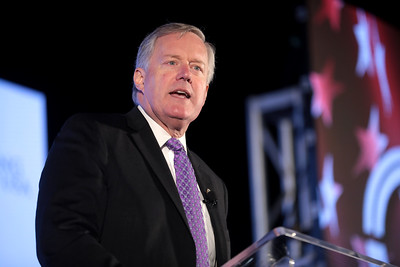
(181,93)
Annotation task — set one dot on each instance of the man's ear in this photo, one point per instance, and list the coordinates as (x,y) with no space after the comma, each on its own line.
(138,78)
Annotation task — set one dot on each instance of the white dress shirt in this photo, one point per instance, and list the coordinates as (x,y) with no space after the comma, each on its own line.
(162,137)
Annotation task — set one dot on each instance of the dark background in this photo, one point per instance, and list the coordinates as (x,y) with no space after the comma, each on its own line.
(82,57)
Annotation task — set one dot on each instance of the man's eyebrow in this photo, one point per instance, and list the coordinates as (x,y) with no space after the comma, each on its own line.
(198,61)
(172,56)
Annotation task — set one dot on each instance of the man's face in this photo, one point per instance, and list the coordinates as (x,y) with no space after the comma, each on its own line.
(174,86)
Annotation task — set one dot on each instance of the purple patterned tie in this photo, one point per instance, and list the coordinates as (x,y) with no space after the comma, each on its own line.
(189,193)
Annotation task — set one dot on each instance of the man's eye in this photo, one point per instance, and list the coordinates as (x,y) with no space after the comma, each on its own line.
(172,63)
(198,68)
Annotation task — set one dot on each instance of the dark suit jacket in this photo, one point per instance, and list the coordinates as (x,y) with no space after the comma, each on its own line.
(107,198)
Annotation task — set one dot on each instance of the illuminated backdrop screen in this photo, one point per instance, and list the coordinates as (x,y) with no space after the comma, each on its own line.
(23,148)
(356,106)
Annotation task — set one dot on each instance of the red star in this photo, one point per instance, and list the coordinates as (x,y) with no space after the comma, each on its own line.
(372,143)
(358,245)
(325,90)
(330,9)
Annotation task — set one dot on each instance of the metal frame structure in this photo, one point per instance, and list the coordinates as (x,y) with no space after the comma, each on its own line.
(280,132)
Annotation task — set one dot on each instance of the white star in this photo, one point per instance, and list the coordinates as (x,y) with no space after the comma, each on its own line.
(382,76)
(365,59)
(371,54)
(330,193)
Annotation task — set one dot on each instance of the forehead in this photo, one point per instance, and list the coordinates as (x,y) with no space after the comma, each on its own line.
(177,44)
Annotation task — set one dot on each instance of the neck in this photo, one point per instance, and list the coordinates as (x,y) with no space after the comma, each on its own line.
(176,128)
(176,134)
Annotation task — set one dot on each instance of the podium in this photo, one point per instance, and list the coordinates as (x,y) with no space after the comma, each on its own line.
(286,247)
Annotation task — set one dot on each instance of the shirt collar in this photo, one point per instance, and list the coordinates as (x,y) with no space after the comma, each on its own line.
(162,136)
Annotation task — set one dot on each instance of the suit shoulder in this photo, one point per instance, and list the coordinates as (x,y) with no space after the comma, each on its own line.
(112,120)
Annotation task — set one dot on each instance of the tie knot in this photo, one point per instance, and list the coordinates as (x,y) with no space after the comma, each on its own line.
(174,144)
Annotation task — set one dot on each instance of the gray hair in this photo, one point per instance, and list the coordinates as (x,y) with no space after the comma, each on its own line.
(147,46)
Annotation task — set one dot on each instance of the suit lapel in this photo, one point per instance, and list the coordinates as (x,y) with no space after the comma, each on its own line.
(144,140)
(203,180)
(208,191)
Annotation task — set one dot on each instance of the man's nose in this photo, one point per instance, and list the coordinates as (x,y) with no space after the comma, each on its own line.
(185,74)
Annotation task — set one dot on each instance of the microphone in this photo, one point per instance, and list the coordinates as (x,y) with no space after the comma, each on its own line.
(210,199)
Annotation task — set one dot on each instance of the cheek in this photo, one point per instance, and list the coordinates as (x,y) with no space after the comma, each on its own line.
(204,94)
(201,100)
(154,86)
